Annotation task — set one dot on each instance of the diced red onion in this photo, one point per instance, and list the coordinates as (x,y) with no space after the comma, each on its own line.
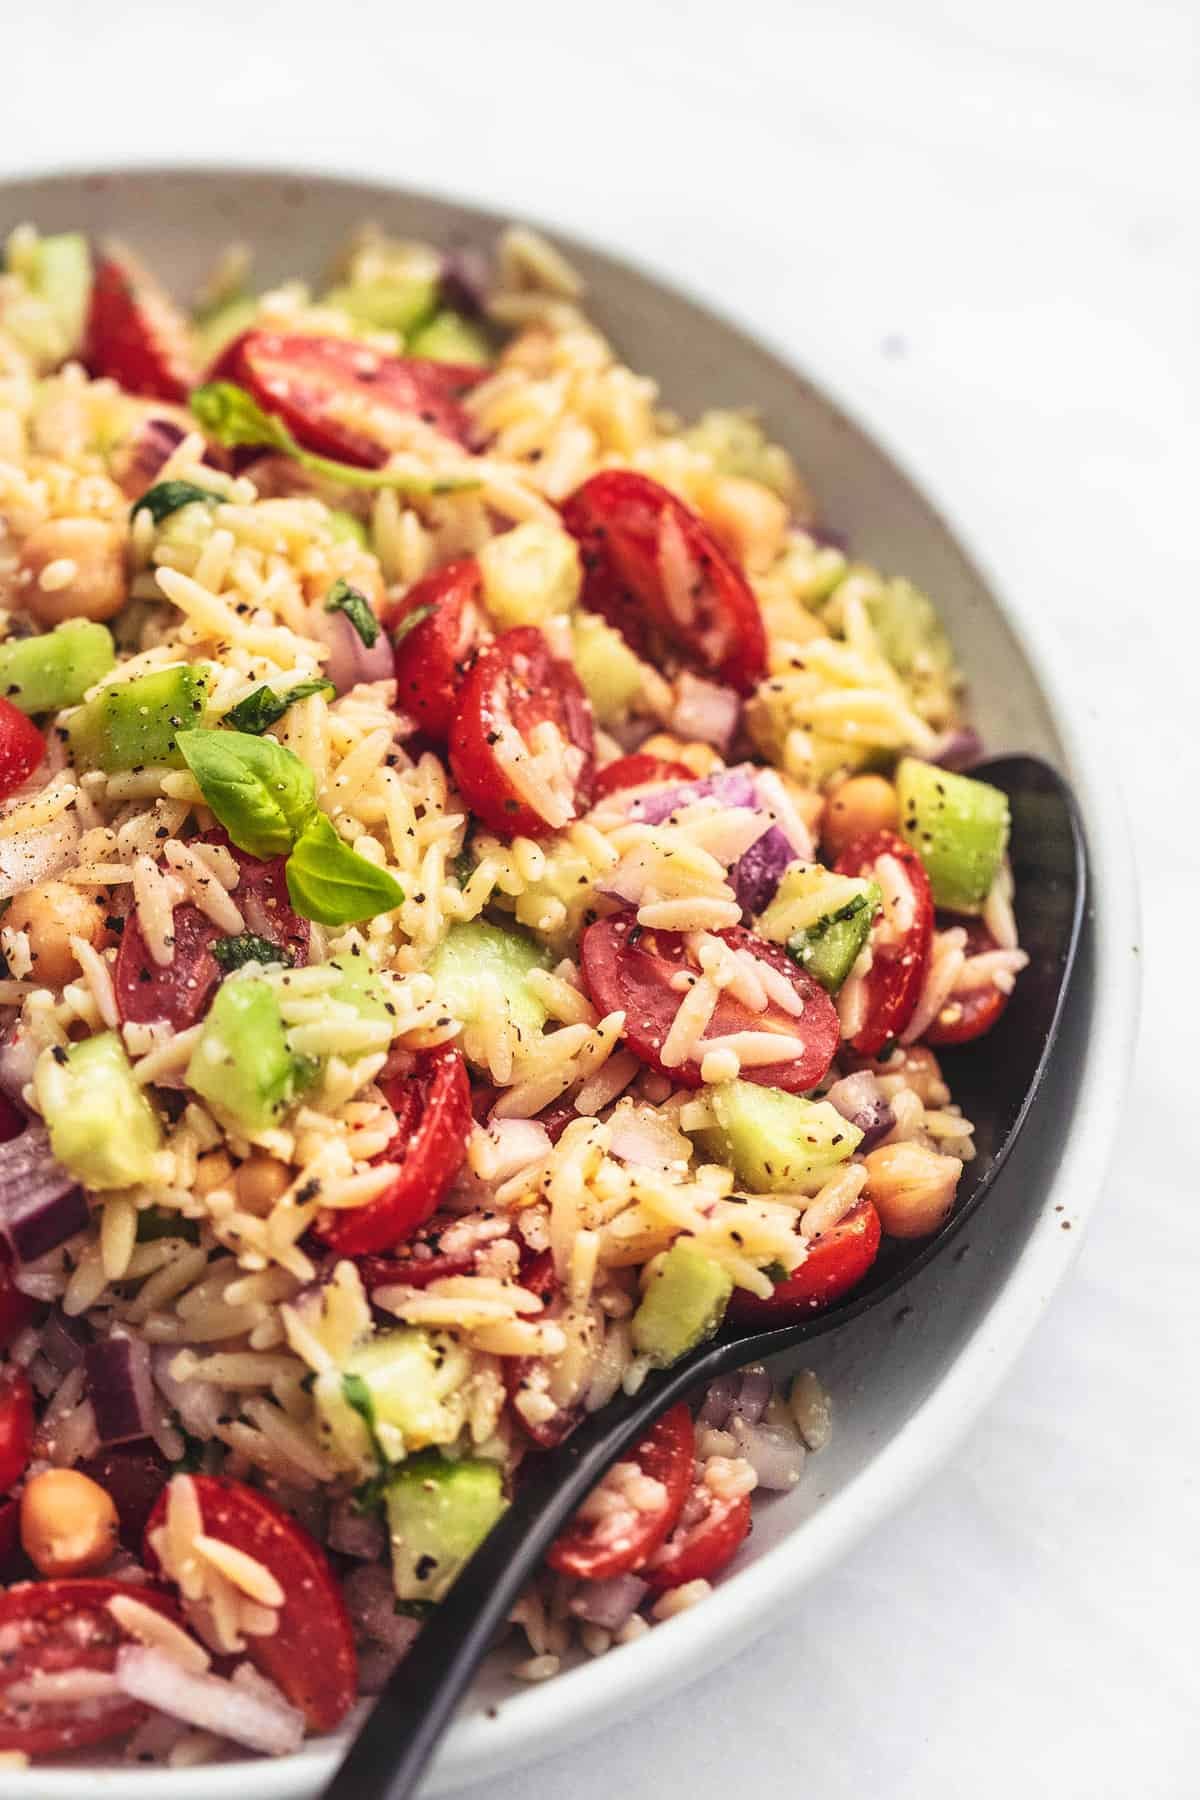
(355,1533)
(704,711)
(199,1403)
(759,870)
(209,1701)
(376,1664)
(718,1401)
(609,1604)
(120,1388)
(860,1099)
(732,787)
(350,660)
(41,1206)
(139,461)
(753,1393)
(371,1603)
(957,749)
(775,1455)
(63,1341)
(466,280)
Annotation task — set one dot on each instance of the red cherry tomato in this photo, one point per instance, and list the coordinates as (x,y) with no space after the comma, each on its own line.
(16,1426)
(898,960)
(310,1654)
(22,748)
(10,1538)
(49,1628)
(133,1476)
(515,689)
(434,654)
(630,969)
(433,1120)
(135,333)
(341,399)
(837,1261)
(637,771)
(518,1371)
(593,1550)
(709,1534)
(658,575)
(180,991)
(410,1271)
(969,1015)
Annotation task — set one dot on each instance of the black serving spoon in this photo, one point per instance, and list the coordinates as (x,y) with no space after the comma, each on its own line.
(995,1080)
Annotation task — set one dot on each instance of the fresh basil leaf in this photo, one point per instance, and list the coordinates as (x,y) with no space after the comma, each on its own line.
(231,415)
(264,707)
(235,952)
(357,608)
(331,883)
(168,496)
(262,794)
(410,621)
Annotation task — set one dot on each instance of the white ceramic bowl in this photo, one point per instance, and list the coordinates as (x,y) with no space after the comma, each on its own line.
(907,1383)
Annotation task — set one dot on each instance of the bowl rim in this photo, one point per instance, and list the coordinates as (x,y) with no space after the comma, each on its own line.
(536,1722)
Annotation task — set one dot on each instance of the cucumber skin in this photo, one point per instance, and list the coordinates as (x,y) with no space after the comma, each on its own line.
(241,1062)
(830,948)
(133,723)
(683,1303)
(44,674)
(958,827)
(105,1133)
(440,1512)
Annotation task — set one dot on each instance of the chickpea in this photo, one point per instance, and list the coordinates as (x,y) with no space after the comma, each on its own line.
(73,569)
(859,807)
(50,915)
(213,1171)
(260,1181)
(911,1188)
(68,1523)
(701,759)
(747,519)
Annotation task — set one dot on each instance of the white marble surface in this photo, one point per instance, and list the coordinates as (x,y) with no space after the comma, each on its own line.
(978,222)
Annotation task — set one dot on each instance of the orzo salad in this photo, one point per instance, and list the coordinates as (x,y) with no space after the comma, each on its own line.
(485,882)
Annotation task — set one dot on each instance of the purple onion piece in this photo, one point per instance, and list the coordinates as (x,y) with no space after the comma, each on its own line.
(139,461)
(750,1401)
(759,870)
(466,280)
(120,1388)
(41,1206)
(355,1533)
(63,1341)
(860,1099)
(609,1604)
(371,1603)
(732,787)
(706,711)
(957,750)
(757,873)
(350,660)
(718,1401)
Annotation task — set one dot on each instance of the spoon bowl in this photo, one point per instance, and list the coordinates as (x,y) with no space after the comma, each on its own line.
(996,1079)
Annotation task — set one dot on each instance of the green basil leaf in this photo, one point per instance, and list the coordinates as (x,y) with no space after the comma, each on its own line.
(357,608)
(264,707)
(235,952)
(168,496)
(410,621)
(232,416)
(262,794)
(333,884)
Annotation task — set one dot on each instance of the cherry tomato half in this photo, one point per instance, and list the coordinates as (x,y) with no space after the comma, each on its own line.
(969,1015)
(342,399)
(435,651)
(629,968)
(638,771)
(50,1627)
(16,1426)
(517,694)
(22,748)
(135,333)
(593,1550)
(433,1120)
(709,1534)
(180,990)
(899,958)
(658,575)
(837,1261)
(310,1654)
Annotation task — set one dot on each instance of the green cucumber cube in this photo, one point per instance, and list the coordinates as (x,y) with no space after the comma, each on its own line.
(475,953)
(683,1303)
(43,674)
(449,337)
(400,1392)
(439,1513)
(775,1142)
(241,1063)
(134,724)
(103,1129)
(958,827)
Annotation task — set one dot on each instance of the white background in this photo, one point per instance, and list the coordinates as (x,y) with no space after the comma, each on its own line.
(979,224)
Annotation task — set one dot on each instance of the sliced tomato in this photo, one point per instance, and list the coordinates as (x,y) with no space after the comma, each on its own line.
(593,1550)
(837,1261)
(310,1654)
(709,1534)
(133,1476)
(639,771)
(631,969)
(969,1015)
(16,1426)
(342,399)
(410,1271)
(135,332)
(514,690)
(519,1371)
(179,991)
(660,578)
(899,958)
(433,1120)
(22,748)
(439,630)
(52,1628)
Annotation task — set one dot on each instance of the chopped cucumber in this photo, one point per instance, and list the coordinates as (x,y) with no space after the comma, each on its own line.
(103,1130)
(683,1303)
(402,1391)
(134,723)
(477,956)
(241,1063)
(44,674)
(909,631)
(530,574)
(360,985)
(60,274)
(344,528)
(807,896)
(611,674)
(830,948)
(449,337)
(959,829)
(439,1513)
(397,303)
(775,1142)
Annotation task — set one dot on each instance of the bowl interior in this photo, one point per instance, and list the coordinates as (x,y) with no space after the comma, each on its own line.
(887,1369)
